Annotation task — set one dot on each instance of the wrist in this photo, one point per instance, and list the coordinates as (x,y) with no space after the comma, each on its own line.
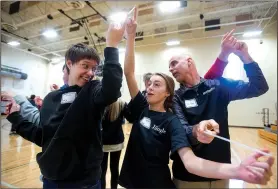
(130,36)
(194,130)
(114,45)
(235,172)
(223,56)
(246,59)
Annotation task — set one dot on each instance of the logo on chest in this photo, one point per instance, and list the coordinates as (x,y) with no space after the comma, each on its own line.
(146,122)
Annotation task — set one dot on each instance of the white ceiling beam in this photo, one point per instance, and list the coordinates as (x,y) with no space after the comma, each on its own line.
(94,20)
(275,3)
(168,20)
(174,19)
(27,43)
(184,30)
(42,17)
(40,56)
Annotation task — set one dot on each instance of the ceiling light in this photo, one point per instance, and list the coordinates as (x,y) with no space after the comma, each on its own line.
(172,43)
(118,17)
(252,33)
(56,60)
(13,43)
(169,6)
(50,33)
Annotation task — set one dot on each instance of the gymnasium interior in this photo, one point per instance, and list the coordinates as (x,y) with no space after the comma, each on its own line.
(36,34)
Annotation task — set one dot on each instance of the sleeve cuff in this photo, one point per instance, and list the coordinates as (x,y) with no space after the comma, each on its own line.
(19,99)
(174,151)
(251,69)
(111,55)
(189,132)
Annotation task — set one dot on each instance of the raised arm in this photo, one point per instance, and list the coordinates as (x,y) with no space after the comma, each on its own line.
(250,170)
(111,83)
(228,45)
(238,89)
(129,63)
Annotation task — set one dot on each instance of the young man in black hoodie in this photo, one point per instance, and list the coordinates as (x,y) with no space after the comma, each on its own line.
(199,99)
(70,129)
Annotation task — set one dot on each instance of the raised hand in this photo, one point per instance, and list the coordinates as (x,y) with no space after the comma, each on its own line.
(206,126)
(242,53)
(131,25)
(254,171)
(228,45)
(115,34)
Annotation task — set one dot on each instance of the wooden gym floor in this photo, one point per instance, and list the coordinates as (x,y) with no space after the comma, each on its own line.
(20,170)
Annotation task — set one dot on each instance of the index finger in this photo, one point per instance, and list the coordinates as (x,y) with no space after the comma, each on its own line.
(135,14)
(229,34)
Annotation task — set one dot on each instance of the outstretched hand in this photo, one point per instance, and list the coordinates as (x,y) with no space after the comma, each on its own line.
(254,171)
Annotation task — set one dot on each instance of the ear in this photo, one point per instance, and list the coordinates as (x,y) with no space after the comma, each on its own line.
(190,61)
(69,64)
(167,94)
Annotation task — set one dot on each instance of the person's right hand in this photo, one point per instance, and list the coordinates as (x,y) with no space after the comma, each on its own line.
(229,44)
(209,126)
(115,34)
(254,171)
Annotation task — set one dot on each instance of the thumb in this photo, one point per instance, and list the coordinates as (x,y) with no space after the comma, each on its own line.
(201,127)
(257,155)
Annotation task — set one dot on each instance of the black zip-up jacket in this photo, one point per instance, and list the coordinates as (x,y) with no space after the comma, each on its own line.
(212,98)
(70,133)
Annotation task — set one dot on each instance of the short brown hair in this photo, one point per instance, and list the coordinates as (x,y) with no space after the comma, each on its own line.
(79,52)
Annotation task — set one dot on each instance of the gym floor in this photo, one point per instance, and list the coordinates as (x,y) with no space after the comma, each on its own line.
(20,170)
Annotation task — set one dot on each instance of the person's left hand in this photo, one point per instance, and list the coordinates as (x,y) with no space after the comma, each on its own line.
(14,108)
(8,97)
(254,171)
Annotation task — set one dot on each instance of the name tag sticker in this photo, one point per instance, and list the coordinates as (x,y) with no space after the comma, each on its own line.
(190,103)
(68,97)
(146,122)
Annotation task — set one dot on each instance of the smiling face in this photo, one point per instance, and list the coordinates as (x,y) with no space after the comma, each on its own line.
(81,63)
(81,72)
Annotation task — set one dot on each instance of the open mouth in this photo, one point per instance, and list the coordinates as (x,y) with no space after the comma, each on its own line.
(175,75)
(86,79)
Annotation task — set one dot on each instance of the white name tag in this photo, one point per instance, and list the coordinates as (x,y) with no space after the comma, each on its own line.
(68,97)
(190,103)
(146,122)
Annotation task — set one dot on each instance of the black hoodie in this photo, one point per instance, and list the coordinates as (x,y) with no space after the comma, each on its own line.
(210,100)
(70,127)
